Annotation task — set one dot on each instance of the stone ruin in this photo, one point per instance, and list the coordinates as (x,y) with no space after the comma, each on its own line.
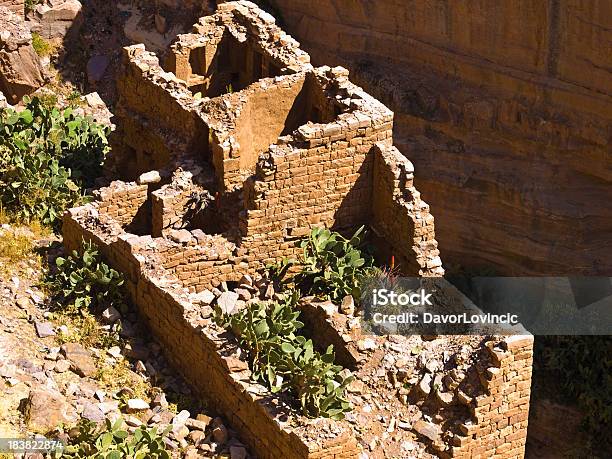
(231,149)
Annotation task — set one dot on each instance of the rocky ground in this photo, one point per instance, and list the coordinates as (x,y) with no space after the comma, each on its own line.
(50,374)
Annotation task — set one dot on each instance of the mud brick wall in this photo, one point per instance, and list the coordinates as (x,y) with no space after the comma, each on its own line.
(499,427)
(203,352)
(326,182)
(203,264)
(397,209)
(168,209)
(156,109)
(123,202)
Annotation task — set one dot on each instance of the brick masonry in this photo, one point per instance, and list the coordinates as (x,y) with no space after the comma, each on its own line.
(286,148)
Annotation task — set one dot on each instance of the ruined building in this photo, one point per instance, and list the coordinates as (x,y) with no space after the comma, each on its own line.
(228,151)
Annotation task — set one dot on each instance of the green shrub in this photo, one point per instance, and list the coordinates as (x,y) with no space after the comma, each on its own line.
(331,265)
(41,46)
(30,5)
(283,360)
(83,282)
(112,441)
(48,158)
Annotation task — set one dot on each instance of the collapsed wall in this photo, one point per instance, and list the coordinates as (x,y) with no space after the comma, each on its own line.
(231,152)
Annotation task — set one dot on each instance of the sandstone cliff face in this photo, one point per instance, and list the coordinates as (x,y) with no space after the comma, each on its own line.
(503,107)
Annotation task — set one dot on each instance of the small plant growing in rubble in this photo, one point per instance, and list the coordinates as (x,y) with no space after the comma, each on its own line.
(284,360)
(83,281)
(113,441)
(48,158)
(331,265)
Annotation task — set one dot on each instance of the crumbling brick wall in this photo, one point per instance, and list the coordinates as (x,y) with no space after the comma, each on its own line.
(326,184)
(202,351)
(123,202)
(283,155)
(500,416)
(397,208)
(159,125)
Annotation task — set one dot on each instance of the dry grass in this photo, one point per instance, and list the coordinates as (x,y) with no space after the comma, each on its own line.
(17,243)
(85,330)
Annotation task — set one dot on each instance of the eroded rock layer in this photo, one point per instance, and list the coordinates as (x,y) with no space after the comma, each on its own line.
(505,110)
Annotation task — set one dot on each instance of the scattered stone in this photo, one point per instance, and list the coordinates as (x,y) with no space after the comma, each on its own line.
(330,308)
(181,417)
(204,418)
(367,344)
(23,302)
(96,68)
(149,177)
(423,388)
(444,398)
(62,366)
(92,412)
(110,315)
(114,351)
(110,406)
(94,100)
(135,405)
(348,305)
(227,302)
(243,294)
(57,18)
(21,72)
(269,291)
(197,436)
(80,358)
(179,431)
(136,351)
(160,400)
(204,297)
(427,429)
(133,421)
(181,236)
(71,389)
(195,424)
(140,367)
(44,329)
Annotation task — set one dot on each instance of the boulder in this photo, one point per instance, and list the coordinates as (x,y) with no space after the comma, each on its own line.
(227,302)
(44,410)
(21,72)
(137,404)
(427,429)
(80,359)
(96,68)
(57,18)
(149,177)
